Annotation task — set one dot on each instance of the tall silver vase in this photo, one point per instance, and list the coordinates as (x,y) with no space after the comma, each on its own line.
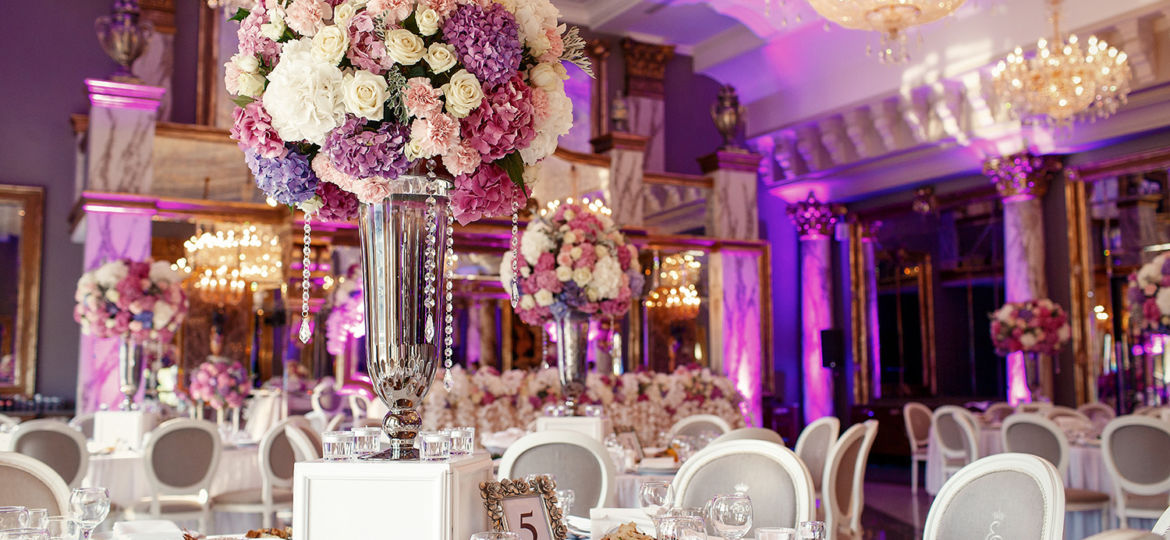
(572,356)
(130,360)
(404,284)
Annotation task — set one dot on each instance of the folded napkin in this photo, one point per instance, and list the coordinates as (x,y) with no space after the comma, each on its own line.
(658,464)
(147,530)
(601,520)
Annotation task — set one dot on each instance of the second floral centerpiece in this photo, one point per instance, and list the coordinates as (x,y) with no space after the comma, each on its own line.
(574,265)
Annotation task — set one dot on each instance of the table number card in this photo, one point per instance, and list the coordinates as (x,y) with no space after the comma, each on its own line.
(528,508)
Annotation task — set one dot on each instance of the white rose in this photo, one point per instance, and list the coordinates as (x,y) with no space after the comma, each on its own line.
(607,277)
(527,302)
(582,276)
(564,273)
(113,295)
(304,96)
(1163,300)
(250,84)
(535,241)
(343,13)
(246,62)
(110,274)
(601,252)
(404,47)
(506,274)
(311,206)
(330,44)
(365,94)
(569,238)
(274,28)
(440,57)
(412,149)
(575,253)
(569,215)
(427,19)
(544,298)
(548,76)
(591,294)
(163,313)
(463,94)
(1027,341)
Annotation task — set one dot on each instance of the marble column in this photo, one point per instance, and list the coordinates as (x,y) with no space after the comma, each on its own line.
(156,66)
(120,136)
(731,205)
(1021,180)
(815,221)
(646,96)
(623,188)
(1137,217)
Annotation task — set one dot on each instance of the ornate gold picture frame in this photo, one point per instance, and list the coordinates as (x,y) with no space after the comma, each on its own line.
(505,497)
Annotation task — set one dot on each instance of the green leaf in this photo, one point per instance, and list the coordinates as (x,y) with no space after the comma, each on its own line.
(242,101)
(410,24)
(513,164)
(240,15)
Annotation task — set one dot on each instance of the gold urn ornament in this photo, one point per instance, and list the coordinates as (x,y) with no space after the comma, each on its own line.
(728,115)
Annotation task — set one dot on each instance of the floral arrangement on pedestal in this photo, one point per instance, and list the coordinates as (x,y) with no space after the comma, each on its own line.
(220,384)
(336,99)
(1035,326)
(141,301)
(650,403)
(1149,297)
(573,258)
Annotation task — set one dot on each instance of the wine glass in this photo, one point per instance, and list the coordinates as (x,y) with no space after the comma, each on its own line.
(62,528)
(89,507)
(655,498)
(731,515)
(13,517)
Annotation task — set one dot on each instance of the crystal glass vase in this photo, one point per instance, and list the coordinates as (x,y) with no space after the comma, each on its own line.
(403,239)
(572,329)
(130,363)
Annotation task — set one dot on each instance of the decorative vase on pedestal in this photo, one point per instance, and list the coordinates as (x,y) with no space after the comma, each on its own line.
(130,355)
(403,240)
(572,329)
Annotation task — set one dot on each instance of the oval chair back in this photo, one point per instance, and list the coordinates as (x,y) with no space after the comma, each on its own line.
(579,462)
(1001,496)
(750,433)
(844,482)
(55,444)
(813,446)
(25,481)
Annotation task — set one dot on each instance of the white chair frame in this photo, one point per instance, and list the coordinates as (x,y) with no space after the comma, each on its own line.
(267,507)
(750,433)
(992,412)
(918,446)
(1122,486)
(200,489)
(791,464)
(302,445)
(969,429)
(77,421)
(1162,527)
(593,446)
(1087,408)
(42,472)
(699,418)
(830,423)
(847,520)
(76,436)
(1040,407)
(1045,475)
(8,421)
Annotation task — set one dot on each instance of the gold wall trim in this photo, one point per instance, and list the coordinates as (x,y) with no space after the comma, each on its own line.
(1080,283)
(584,158)
(173,208)
(859,315)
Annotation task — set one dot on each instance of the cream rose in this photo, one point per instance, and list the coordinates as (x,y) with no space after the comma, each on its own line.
(274,28)
(427,19)
(527,302)
(404,47)
(250,84)
(548,76)
(364,94)
(440,57)
(564,273)
(246,62)
(543,297)
(343,13)
(582,276)
(330,44)
(413,150)
(463,94)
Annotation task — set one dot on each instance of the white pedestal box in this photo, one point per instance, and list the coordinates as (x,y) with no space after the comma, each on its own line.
(593,426)
(390,500)
(125,428)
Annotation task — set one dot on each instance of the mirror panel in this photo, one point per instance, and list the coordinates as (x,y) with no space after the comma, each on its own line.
(21,236)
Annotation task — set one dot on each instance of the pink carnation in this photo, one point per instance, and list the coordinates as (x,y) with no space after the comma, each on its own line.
(252,42)
(421,99)
(306,17)
(252,129)
(435,135)
(503,122)
(366,50)
(486,193)
(442,7)
(395,11)
(462,159)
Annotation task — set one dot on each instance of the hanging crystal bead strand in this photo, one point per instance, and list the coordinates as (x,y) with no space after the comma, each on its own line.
(449,305)
(514,287)
(306,331)
(430,255)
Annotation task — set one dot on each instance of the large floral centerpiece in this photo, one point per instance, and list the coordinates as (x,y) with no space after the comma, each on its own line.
(220,384)
(648,402)
(1149,297)
(1035,326)
(138,301)
(573,258)
(336,99)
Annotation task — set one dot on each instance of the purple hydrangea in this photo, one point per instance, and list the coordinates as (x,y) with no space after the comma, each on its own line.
(486,41)
(363,153)
(288,180)
(336,203)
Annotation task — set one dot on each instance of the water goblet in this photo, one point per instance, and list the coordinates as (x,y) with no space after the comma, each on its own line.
(495,535)
(89,506)
(565,499)
(24,534)
(62,528)
(812,530)
(731,515)
(13,517)
(655,498)
(681,527)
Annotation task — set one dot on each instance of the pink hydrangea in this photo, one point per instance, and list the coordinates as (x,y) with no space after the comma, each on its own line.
(252,42)
(252,130)
(436,135)
(395,11)
(462,159)
(306,17)
(366,50)
(503,122)
(488,192)
(421,99)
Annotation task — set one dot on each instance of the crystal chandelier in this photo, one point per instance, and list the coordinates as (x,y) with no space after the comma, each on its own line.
(676,298)
(1063,80)
(227,260)
(891,18)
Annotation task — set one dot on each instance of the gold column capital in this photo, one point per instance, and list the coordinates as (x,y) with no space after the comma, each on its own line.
(646,68)
(1023,175)
(814,218)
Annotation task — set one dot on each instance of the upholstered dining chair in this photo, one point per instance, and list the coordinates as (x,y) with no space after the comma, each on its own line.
(302,445)
(1096,410)
(1039,436)
(25,481)
(916,416)
(698,424)
(181,457)
(1068,416)
(1036,407)
(579,462)
(84,424)
(55,444)
(306,426)
(844,483)
(359,404)
(956,434)
(325,400)
(997,412)
(1001,496)
(773,476)
(1136,456)
(813,444)
(276,473)
(750,433)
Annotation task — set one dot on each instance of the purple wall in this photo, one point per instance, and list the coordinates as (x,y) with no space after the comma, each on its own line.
(778,230)
(690,133)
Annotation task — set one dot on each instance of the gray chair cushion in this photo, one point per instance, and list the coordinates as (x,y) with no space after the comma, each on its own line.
(1005,504)
(951,434)
(814,451)
(182,457)
(575,468)
(57,450)
(771,489)
(281,457)
(1140,453)
(1032,439)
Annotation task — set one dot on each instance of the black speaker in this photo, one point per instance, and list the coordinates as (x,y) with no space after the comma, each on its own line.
(833,348)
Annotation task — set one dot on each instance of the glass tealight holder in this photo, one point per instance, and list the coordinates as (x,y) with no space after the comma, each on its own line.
(596,411)
(462,440)
(366,440)
(337,445)
(775,533)
(37,517)
(434,445)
